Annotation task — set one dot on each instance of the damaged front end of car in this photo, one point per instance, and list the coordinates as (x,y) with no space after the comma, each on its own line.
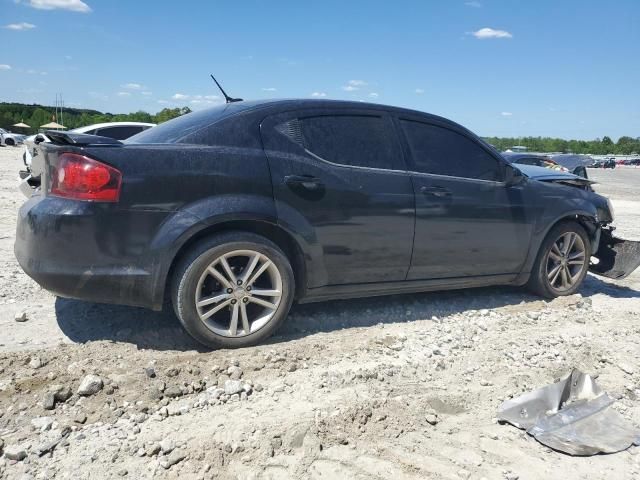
(615,258)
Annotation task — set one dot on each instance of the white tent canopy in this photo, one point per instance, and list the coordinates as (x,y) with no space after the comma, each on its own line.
(53,125)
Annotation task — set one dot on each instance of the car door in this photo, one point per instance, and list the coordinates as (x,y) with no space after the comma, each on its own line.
(468,221)
(340,182)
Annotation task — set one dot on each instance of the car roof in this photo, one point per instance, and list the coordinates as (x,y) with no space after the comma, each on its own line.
(274,106)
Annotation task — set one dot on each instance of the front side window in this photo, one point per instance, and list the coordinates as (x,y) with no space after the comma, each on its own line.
(441,151)
(352,140)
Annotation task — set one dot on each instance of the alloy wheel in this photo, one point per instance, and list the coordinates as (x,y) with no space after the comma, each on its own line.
(566,261)
(238,293)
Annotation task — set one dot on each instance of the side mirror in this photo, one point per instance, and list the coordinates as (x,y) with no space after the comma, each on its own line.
(512,176)
(38,139)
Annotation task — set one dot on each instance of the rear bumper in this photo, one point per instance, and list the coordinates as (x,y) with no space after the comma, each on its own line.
(75,250)
(617,258)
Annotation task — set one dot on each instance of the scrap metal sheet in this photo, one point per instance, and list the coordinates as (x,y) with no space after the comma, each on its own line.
(573,416)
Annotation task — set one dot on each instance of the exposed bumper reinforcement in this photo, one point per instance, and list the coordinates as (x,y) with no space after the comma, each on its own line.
(617,258)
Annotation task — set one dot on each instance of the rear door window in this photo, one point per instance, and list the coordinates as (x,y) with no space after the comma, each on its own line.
(352,140)
(441,151)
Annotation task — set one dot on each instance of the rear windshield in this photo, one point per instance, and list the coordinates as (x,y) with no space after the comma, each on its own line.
(174,130)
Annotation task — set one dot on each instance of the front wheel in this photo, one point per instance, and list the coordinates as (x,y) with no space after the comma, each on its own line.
(562,262)
(233,290)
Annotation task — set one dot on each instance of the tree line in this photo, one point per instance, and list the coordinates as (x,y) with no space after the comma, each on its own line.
(36,115)
(603,146)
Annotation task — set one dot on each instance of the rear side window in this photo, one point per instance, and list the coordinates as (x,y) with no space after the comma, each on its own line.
(441,151)
(119,132)
(353,140)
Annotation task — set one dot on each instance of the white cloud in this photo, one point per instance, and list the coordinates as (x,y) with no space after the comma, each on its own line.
(132,86)
(486,32)
(146,93)
(473,3)
(73,5)
(353,85)
(162,102)
(124,94)
(374,95)
(270,89)
(20,26)
(4,66)
(180,96)
(319,94)
(419,91)
(506,114)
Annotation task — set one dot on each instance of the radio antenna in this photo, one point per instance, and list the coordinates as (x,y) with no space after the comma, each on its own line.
(227,98)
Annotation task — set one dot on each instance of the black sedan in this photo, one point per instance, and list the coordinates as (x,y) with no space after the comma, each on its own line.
(234,212)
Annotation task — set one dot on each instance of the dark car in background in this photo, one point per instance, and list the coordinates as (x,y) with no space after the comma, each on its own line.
(233,213)
(565,162)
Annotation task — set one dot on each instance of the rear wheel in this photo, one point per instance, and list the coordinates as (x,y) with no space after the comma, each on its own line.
(9,142)
(563,261)
(233,290)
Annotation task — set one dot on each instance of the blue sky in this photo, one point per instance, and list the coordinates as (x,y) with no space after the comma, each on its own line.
(564,68)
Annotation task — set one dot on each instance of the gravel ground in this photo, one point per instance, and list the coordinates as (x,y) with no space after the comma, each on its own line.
(404,387)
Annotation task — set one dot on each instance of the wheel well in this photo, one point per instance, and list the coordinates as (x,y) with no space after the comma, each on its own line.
(585,221)
(272,232)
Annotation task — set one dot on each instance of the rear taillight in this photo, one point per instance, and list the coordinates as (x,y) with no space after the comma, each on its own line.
(82,178)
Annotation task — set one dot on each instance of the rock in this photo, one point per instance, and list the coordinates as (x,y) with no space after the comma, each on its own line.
(174,457)
(15,452)
(173,392)
(90,385)
(150,372)
(464,474)
(80,418)
(172,372)
(232,386)
(431,419)
(122,472)
(234,372)
(49,401)
(167,446)
(36,362)
(292,368)
(42,423)
(626,368)
(61,393)
(153,449)
(533,315)
(21,317)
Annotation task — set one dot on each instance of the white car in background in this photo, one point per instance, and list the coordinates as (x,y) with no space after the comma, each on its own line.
(8,139)
(116,130)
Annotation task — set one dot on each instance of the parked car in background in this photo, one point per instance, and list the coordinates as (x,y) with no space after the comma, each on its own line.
(236,211)
(115,130)
(9,139)
(576,164)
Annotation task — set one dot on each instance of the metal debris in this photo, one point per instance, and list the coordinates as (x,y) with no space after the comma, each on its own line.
(573,416)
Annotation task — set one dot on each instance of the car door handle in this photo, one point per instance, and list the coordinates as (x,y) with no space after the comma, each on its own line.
(439,192)
(307,182)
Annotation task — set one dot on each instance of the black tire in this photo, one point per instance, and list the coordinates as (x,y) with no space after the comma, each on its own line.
(9,142)
(191,267)
(539,283)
